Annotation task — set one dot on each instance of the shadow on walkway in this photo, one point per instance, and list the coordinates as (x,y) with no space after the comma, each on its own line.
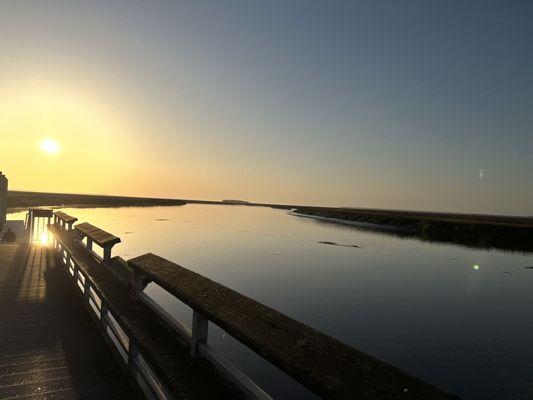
(49,345)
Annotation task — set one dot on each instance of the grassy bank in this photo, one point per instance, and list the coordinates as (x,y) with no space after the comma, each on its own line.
(484,231)
(23,200)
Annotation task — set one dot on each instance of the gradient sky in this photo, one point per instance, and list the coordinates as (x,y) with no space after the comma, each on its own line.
(397,104)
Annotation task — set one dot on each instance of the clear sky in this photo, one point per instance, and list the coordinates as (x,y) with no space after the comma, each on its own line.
(398,104)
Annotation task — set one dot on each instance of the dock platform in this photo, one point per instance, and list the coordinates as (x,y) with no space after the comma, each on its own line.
(49,346)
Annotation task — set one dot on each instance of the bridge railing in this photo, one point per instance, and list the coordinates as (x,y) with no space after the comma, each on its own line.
(64,220)
(103,239)
(319,362)
(80,262)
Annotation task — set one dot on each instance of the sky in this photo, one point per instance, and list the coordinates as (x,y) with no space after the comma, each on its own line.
(407,105)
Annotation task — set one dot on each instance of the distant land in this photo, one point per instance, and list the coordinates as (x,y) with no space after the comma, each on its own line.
(19,200)
(236,202)
(475,230)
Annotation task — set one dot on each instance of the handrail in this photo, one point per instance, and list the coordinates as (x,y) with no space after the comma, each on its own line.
(102,238)
(61,218)
(321,363)
(160,349)
(97,235)
(329,368)
(65,217)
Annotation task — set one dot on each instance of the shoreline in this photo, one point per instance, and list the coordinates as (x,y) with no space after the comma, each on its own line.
(356,224)
(473,230)
(478,231)
(14,210)
(20,201)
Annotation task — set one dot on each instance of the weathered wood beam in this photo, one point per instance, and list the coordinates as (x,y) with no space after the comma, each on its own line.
(326,366)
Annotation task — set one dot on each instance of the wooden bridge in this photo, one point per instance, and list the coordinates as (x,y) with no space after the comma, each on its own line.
(76,324)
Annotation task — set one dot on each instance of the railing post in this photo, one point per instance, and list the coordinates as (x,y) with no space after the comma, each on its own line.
(107,253)
(87,289)
(137,284)
(77,279)
(89,244)
(32,226)
(200,325)
(133,353)
(103,314)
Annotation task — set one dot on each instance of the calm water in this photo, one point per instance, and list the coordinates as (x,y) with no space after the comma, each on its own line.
(420,306)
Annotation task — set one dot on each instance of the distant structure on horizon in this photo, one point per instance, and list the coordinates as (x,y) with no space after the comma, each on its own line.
(231,201)
(3,200)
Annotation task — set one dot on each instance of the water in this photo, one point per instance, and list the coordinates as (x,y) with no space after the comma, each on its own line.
(420,306)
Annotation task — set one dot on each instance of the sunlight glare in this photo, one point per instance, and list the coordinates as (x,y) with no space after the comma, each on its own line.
(50,146)
(44,238)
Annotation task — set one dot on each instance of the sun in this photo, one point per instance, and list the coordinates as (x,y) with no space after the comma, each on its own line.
(50,146)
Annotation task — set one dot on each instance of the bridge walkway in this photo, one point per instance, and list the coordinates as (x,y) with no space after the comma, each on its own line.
(49,346)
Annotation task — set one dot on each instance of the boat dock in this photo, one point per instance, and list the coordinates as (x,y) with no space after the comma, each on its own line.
(77,324)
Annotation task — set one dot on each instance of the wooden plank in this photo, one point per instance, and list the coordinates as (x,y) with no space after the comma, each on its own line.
(50,348)
(65,217)
(328,367)
(99,236)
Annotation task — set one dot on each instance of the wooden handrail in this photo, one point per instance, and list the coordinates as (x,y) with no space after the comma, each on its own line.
(326,366)
(102,238)
(97,235)
(68,219)
(64,220)
(165,352)
(41,212)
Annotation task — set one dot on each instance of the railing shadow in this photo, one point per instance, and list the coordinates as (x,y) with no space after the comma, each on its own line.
(93,371)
